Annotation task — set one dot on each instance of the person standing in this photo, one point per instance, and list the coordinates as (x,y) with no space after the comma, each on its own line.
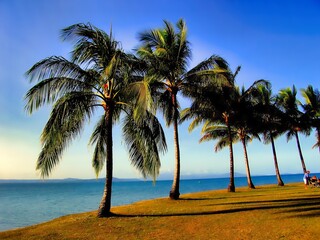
(306,178)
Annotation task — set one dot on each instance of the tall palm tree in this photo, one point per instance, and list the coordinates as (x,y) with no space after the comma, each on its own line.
(270,122)
(220,132)
(288,103)
(312,109)
(245,137)
(99,76)
(212,103)
(246,120)
(227,113)
(167,52)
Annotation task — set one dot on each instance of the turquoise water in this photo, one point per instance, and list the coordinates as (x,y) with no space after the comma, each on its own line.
(27,203)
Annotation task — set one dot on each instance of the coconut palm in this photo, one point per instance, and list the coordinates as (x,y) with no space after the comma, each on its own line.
(100,78)
(167,52)
(270,123)
(288,103)
(227,115)
(212,103)
(220,132)
(246,121)
(312,109)
(245,137)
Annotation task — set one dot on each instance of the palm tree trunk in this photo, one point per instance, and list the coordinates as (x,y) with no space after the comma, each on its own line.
(318,137)
(231,187)
(105,204)
(300,153)
(250,183)
(280,182)
(174,192)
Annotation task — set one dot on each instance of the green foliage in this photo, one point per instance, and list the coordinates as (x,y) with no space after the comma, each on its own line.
(166,53)
(99,75)
(144,138)
(99,139)
(311,109)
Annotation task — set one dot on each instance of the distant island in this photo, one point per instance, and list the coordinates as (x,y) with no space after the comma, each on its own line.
(162,177)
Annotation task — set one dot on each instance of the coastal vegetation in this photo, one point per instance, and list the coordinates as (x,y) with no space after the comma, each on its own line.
(227,113)
(268,212)
(108,82)
(288,102)
(167,52)
(102,78)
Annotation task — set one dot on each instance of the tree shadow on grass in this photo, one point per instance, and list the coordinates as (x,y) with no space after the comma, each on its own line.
(304,207)
(199,199)
(305,212)
(304,200)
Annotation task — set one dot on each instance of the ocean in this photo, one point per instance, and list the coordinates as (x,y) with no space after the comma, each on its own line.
(25,203)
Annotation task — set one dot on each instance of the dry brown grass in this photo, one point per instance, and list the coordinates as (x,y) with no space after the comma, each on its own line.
(268,212)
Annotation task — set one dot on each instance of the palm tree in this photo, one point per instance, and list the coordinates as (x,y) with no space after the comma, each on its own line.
(244,136)
(220,132)
(270,122)
(246,121)
(288,103)
(227,113)
(167,52)
(312,109)
(99,76)
(212,131)
(212,103)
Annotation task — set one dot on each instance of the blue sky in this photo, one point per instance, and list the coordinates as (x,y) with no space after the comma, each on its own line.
(274,40)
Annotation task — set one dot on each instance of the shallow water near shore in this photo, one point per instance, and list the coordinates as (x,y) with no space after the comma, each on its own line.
(26,203)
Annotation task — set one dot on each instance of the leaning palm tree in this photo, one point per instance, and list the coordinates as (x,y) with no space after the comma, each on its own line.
(288,103)
(270,122)
(311,109)
(167,52)
(99,76)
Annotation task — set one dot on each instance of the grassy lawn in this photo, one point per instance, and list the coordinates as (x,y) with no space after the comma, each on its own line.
(268,212)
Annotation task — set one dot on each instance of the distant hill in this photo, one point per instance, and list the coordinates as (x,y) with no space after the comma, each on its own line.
(165,176)
(169,176)
(65,180)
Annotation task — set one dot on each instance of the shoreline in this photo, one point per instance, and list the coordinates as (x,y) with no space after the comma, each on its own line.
(84,196)
(267,203)
(147,200)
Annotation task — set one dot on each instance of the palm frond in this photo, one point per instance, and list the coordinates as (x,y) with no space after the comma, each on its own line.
(169,110)
(141,94)
(222,143)
(99,139)
(237,71)
(92,45)
(312,101)
(290,134)
(213,131)
(144,139)
(56,77)
(49,90)
(65,123)
(316,145)
(55,66)
(195,122)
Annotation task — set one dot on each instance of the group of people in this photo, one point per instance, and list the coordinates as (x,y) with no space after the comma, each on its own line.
(306,179)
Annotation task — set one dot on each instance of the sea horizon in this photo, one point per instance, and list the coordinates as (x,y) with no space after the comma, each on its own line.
(161,178)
